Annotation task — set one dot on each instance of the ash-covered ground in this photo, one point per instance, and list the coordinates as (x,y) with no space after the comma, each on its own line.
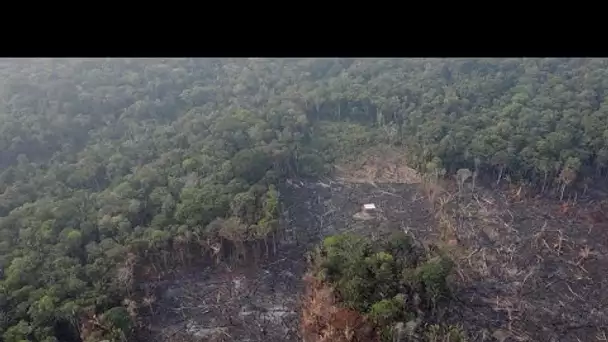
(532,269)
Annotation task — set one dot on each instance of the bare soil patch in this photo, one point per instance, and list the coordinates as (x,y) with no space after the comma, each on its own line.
(378,165)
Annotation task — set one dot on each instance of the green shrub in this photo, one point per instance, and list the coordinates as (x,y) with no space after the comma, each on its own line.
(390,281)
(432,275)
(388,310)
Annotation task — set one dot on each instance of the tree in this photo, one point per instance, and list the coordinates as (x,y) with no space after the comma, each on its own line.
(569,174)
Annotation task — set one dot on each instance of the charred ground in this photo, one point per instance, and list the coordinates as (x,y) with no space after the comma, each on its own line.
(533,268)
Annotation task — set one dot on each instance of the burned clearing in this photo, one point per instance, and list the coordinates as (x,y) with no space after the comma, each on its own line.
(531,269)
(260,302)
(527,269)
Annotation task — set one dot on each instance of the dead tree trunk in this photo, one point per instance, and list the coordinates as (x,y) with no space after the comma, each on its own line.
(499,176)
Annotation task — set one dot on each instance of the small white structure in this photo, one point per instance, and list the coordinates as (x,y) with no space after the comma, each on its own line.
(369,207)
(367,212)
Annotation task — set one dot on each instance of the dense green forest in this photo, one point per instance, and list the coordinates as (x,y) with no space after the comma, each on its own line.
(109,163)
